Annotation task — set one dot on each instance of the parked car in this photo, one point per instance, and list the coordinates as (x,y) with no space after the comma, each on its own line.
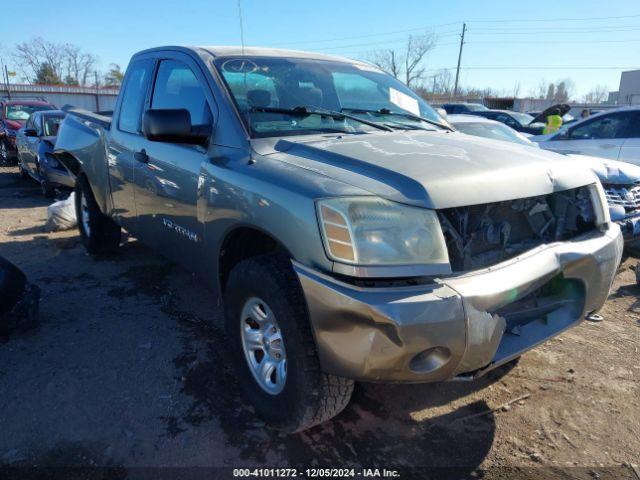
(520,122)
(13,116)
(35,144)
(621,181)
(612,134)
(453,108)
(350,234)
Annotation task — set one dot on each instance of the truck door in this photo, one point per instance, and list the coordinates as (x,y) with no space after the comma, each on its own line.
(127,140)
(169,178)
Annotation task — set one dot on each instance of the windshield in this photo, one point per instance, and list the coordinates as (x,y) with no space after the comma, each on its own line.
(495,131)
(51,125)
(22,112)
(522,118)
(261,84)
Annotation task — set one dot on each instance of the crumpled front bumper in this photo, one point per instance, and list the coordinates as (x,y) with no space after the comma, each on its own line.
(459,326)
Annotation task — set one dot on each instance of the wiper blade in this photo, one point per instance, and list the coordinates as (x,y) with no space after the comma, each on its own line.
(411,116)
(305,112)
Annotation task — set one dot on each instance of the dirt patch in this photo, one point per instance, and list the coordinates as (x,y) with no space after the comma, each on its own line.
(130,368)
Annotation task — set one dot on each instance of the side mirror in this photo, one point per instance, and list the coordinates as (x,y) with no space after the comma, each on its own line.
(30,132)
(562,135)
(172,126)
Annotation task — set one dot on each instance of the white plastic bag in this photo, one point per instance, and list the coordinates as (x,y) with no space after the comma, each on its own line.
(61,215)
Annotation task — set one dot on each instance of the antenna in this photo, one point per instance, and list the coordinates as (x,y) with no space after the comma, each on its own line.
(241,26)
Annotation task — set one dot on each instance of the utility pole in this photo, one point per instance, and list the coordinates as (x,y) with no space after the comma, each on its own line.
(455,88)
(97,92)
(5,77)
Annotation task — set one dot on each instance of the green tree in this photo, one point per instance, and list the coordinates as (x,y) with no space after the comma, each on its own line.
(114,76)
(46,75)
(72,81)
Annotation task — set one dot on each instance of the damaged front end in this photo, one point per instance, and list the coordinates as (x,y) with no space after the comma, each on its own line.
(624,207)
(482,235)
(522,271)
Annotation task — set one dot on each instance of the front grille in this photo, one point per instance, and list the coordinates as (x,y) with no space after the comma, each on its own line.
(627,196)
(479,236)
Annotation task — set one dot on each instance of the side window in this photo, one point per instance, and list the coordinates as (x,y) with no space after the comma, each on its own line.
(605,127)
(135,91)
(37,124)
(177,86)
(634,128)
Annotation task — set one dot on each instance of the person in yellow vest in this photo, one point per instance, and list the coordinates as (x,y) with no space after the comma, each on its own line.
(554,122)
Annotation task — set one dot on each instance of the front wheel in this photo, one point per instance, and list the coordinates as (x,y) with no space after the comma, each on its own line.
(273,348)
(4,153)
(45,186)
(99,233)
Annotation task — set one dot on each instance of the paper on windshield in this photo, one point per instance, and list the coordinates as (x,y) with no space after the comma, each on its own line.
(404,101)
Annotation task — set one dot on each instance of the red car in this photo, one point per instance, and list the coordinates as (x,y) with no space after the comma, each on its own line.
(13,115)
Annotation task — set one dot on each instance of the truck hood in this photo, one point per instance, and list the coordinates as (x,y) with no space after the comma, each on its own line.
(610,172)
(430,169)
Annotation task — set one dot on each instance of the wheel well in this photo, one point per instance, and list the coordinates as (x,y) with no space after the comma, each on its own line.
(69,161)
(243,243)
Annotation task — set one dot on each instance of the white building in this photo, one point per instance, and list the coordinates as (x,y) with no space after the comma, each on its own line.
(629,92)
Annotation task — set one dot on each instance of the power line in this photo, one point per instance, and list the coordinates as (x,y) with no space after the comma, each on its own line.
(432,27)
(379,34)
(577,19)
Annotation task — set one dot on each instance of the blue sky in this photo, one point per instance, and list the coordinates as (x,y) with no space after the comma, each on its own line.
(501,34)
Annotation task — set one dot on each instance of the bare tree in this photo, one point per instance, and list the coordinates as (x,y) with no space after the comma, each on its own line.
(63,61)
(79,64)
(516,89)
(385,60)
(444,81)
(418,46)
(598,94)
(407,63)
(31,55)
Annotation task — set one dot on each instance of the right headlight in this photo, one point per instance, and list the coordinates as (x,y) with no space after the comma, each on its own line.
(600,204)
(372,231)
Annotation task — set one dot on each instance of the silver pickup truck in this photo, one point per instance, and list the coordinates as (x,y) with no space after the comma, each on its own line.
(349,231)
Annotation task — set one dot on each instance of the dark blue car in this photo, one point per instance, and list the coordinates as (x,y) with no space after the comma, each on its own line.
(34,144)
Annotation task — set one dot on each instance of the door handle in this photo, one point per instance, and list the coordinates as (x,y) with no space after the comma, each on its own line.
(141,156)
(608,145)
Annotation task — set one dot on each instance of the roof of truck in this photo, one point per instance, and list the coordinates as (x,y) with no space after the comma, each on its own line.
(237,51)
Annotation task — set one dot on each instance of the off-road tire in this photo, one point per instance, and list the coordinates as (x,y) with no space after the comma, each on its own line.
(45,185)
(309,396)
(104,234)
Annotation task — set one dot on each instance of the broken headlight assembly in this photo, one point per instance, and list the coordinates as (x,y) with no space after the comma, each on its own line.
(372,231)
(600,205)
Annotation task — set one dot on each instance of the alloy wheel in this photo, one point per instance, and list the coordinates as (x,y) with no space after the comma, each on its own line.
(263,345)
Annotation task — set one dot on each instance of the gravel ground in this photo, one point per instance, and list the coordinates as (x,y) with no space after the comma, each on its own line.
(129,369)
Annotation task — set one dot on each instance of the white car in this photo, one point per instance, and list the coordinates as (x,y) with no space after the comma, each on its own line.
(612,134)
(621,181)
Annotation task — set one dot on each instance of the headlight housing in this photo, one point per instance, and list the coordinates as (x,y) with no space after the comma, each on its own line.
(600,204)
(372,231)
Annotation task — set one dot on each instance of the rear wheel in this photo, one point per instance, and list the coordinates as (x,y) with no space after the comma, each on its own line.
(273,348)
(99,233)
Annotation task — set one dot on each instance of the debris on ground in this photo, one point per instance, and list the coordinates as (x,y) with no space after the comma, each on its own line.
(61,215)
